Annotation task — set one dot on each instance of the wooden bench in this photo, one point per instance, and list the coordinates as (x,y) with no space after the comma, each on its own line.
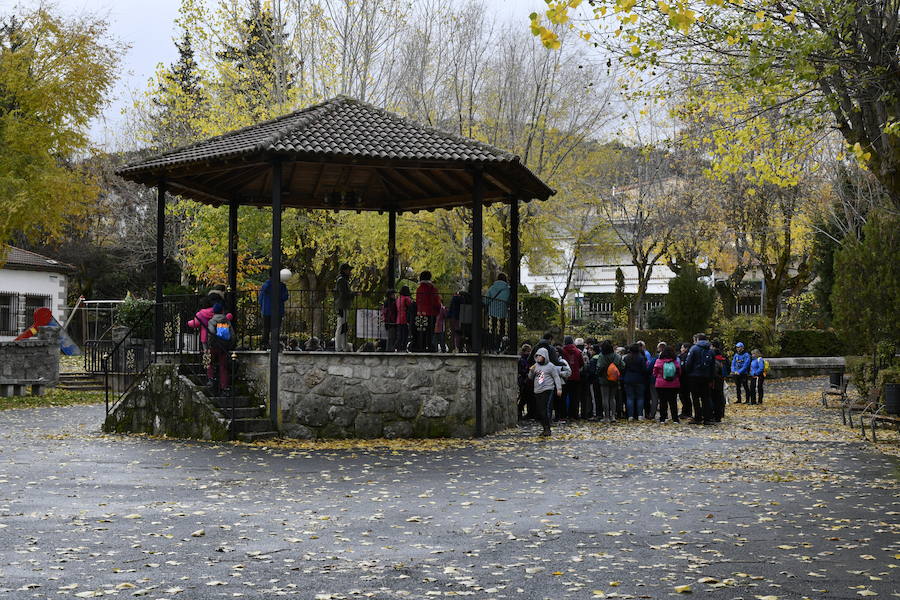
(875,413)
(16,387)
(839,392)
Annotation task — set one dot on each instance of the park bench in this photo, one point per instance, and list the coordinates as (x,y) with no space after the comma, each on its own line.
(837,392)
(16,387)
(852,404)
(875,413)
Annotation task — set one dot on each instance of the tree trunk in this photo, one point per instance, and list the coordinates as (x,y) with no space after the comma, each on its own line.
(636,302)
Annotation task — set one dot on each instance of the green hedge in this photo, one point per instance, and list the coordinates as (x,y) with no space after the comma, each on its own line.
(650,336)
(539,312)
(810,342)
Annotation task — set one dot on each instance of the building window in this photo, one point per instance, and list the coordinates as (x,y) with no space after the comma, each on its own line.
(32,303)
(9,310)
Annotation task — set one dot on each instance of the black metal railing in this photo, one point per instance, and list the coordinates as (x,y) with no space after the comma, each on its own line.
(127,358)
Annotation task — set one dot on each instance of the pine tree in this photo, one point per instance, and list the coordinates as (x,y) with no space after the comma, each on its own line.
(180,102)
(689,304)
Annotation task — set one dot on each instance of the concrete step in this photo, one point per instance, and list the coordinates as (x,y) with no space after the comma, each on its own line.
(243,412)
(79,377)
(251,425)
(239,401)
(81,387)
(256,436)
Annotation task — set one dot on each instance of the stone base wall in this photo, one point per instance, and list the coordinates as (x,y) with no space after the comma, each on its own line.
(34,358)
(166,403)
(340,395)
(800,366)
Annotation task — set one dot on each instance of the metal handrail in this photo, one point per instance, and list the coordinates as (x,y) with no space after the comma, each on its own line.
(112,353)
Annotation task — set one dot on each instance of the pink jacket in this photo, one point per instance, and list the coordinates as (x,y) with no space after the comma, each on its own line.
(201,322)
(402,303)
(658,373)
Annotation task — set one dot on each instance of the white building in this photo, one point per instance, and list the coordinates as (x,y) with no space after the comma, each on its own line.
(29,281)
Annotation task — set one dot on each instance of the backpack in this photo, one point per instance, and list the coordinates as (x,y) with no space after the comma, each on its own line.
(612,371)
(669,370)
(589,371)
(221,334)
(706,368)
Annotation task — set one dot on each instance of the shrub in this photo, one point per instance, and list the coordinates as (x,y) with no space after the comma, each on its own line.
(861,372)
(689,304)
(592,329)
(135,314)
(651,337)
(889,375)
(755,331)
(539,311)
(658,319)
(810,342)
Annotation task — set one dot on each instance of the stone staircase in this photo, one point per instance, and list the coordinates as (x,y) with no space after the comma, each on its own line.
(80,382)
(248,417)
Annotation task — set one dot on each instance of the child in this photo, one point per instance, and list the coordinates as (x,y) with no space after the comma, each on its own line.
(439,338)
(546,379)
(757,377)
(389,316)
(405,309)
(220,344)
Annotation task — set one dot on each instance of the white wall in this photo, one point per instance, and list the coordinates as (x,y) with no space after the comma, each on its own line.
(39,283)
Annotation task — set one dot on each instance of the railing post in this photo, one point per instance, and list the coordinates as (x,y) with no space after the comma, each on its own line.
(477,300)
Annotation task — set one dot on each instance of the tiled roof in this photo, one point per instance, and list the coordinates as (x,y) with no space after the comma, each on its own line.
(23,260)
(340,127)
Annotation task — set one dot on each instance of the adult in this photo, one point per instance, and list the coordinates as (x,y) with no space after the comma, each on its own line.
(651,381)
(720,372)
(545,342)
(700,369)
(389,316)
(740,370)
(634,376)
(608,378)
(684,392)
(572,388)
(428,306)
(758,377)
(667,381)
(265,305)
(497,301)
(406,311)
(343,302)
(461,302)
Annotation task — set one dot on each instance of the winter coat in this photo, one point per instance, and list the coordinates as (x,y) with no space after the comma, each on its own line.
(343,297)
(740,364)
(545,376)
(389,312)
(635,369)
(497,299)
(201,322)
(441,319)
(758,367)
(692,366)
(265,298)
(403,303)
(659,380)
(523,370)
(551,352)
(575,358)
(428,300)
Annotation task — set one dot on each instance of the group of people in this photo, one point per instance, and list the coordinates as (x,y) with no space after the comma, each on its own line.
(424,323)
(595,381)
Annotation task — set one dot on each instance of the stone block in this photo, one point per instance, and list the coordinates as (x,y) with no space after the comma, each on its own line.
(383,403)
(362,371)
(298,432)
(340,370)
(331,386)
(291,382)
(314,377)
(435,406)
(368,425)
(383,385)
(342,416)
(312,411)
(418,379)
(398,429)
(356,396)
(408,404)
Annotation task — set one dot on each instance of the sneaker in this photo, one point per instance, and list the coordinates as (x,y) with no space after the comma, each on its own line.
(545,432)
(676,421)
(694,422)
(662,420)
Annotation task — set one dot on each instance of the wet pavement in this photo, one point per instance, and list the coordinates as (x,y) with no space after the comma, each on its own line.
(779,501)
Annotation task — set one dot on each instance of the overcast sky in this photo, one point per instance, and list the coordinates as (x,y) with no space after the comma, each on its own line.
(147,26)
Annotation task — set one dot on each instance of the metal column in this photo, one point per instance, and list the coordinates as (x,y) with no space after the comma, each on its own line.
(275,297)
(392,249)
(477,302)
(160,264)
(514,275)
(231,294)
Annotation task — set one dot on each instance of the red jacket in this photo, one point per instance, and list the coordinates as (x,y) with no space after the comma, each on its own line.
(575,358)
(428,300)
(403,303)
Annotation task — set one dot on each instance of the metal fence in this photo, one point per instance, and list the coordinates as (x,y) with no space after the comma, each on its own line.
(9,313)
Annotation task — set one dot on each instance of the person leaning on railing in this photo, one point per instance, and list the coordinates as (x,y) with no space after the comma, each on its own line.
(343,302)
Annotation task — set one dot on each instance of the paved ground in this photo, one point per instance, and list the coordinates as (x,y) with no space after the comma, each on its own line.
(778,502)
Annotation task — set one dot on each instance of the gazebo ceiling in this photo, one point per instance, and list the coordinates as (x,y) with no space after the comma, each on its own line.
(341,154)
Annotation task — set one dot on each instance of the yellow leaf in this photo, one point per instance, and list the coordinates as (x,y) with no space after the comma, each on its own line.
(684,589)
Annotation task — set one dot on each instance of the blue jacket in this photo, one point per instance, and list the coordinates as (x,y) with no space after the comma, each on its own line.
(740,364)
(758,367)
(691,366)
(635,370)
(497,299)
(265,299)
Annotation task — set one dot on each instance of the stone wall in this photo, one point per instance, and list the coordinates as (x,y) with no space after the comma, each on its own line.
(34,358)
(338,395)
(166,403)
(800,366)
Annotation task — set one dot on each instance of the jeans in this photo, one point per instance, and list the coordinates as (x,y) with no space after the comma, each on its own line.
(544,402)
(701,396)
(654,402)
(391,344)
(742,381)
(634,399)
(402,337)
(756,390)
(340,331)
(608,399)
(572,399)
(668,402)
(718,399)
(685,394)
(218,362)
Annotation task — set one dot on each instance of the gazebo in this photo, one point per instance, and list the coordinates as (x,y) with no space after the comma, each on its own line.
(342,154)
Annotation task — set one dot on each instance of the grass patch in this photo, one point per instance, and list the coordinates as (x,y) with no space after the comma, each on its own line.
(53,397)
